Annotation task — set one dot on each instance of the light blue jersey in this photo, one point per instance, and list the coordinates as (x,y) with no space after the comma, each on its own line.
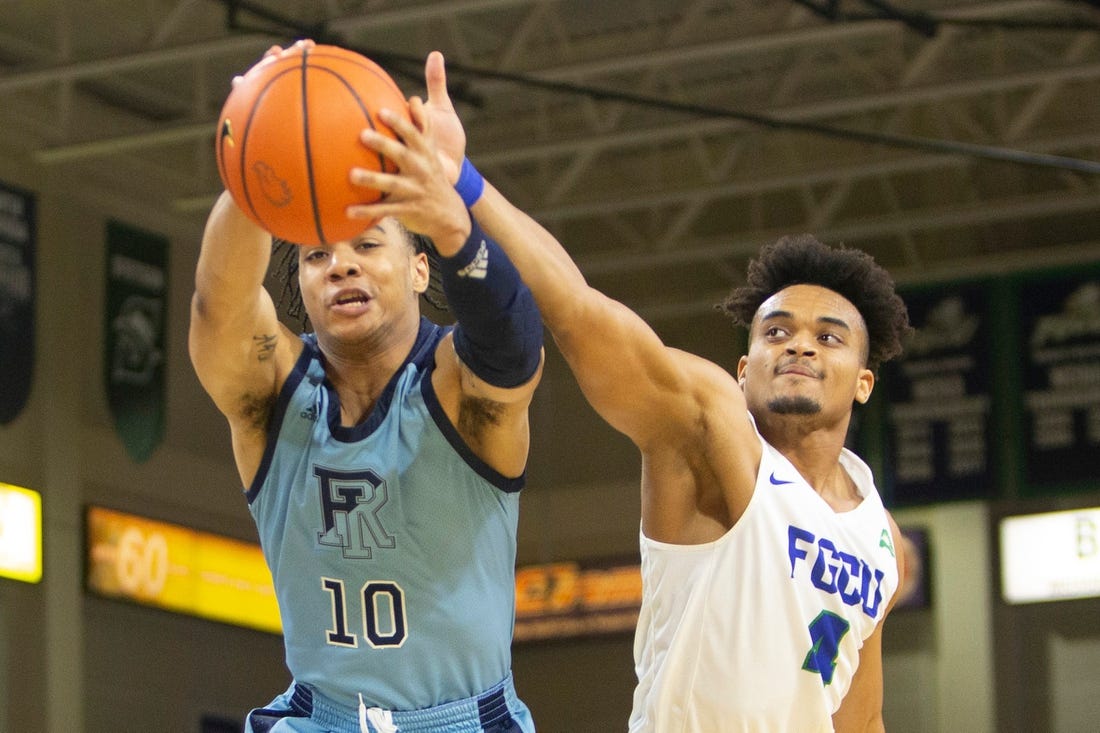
(392,546)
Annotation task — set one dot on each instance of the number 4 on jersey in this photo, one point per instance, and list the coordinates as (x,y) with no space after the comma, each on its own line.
(826,631)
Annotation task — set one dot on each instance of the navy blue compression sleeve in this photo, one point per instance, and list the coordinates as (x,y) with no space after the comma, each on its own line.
(499,330)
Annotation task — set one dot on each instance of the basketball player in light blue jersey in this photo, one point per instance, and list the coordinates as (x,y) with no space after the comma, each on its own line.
(768,559)
(382,457)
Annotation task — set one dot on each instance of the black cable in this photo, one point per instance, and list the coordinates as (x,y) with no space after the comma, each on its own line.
(827,9)
(900,141)
(922,23)
(402,63)
(278,22)
(927,25)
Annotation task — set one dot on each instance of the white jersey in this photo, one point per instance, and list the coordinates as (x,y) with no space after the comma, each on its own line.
(761,629)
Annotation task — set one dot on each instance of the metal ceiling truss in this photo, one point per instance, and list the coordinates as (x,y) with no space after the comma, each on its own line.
(633,129)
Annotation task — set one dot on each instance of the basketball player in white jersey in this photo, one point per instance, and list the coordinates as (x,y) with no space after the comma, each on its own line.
(768,559)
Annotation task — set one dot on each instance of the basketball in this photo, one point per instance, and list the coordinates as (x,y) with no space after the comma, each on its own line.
(288,136)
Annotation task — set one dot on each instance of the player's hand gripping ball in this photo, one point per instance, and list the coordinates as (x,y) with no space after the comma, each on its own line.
(288,137)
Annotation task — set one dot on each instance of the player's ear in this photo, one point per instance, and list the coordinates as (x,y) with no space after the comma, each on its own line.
(421,272)
(865,384)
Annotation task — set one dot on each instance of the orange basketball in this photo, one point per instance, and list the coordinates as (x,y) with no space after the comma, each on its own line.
(288,137)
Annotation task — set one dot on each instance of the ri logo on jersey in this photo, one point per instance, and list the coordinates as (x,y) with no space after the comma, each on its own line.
(350,504)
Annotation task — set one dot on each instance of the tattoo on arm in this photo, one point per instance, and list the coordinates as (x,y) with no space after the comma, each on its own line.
(265,345)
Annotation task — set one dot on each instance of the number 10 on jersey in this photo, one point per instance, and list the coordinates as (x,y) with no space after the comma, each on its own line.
(380,605)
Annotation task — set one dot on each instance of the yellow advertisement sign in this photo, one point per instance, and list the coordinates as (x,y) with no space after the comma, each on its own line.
(201,574)
(20,534)
(180,569)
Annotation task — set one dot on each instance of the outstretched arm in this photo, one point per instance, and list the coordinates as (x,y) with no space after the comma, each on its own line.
(238,348)
(631,378)
(679,409)
(497,339)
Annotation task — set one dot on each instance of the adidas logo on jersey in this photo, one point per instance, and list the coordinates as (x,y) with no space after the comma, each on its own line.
(479,266)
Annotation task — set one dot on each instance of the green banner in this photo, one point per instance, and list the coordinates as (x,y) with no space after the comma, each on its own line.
(134,335)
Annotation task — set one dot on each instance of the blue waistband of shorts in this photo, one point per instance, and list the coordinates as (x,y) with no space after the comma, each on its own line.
(477,713)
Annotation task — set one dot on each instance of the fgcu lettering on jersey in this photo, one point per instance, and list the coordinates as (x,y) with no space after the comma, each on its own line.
(350,502)
(832,570)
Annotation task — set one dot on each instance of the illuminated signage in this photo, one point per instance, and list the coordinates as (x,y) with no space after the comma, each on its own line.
(565,599)
(180,569)
(570,599)
(20,534)
(1050,557)
(200,574)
